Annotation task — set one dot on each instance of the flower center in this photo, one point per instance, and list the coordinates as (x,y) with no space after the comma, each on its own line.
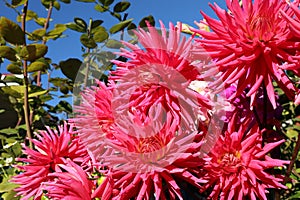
(150,144)
(230,161)
(261,27)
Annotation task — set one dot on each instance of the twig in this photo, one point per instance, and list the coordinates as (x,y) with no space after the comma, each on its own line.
(25,74)
(294,157)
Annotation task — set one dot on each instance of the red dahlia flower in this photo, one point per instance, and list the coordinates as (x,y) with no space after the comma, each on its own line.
(237,165)
(251,45)
(50,149)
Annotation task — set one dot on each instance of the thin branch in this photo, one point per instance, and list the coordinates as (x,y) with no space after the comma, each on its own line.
(46,25)
(294,157)
(25,74)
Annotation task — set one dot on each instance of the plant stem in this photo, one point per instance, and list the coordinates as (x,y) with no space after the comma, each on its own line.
(46,25)
(25,74)
(294,157)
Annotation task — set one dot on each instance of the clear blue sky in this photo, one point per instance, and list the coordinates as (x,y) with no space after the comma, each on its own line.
(166,10)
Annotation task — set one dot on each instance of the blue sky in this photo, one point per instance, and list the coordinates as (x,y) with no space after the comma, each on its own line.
(166,10)
(185,11)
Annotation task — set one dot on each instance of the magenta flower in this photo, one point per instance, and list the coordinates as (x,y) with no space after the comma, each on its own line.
(68,182)
(251,45)
(237,165)
(51,149)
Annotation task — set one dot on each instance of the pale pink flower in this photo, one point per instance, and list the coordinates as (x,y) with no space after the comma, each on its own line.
(251,45)
(51,148)
(236,168)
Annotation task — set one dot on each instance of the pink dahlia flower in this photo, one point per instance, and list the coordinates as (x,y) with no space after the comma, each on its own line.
(145,126)
(68,182)
(50,149)
(167,183)
(236,168)
(251,45)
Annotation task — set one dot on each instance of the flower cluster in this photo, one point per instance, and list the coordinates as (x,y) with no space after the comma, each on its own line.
(180,118)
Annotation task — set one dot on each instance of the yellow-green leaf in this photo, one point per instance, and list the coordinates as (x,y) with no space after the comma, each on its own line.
(41,21)
(18,2)
(101,8)
(114,44)
(37,66)
(29,16)
(120,26)
(75,27)
(56,5)
(11,31)
(87,41)
(14,68)
(100,34)
(36,94)
(37,34)
(149,19)
(8,53)
(33,51)
(80,22)
(121,6)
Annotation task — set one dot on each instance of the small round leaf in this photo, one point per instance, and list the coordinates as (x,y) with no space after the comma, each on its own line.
(121,6)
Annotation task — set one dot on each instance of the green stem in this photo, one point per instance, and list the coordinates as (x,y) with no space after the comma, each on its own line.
(25,74)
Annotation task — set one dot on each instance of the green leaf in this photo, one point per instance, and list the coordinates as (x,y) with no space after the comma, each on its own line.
(37,66)
(121,6)
(106,2)
(114,44)
(14,68)
(37,34)
(10,195)
(101,8)
(18,2)
(29,16)
(33,51)
(70,67)
(130,29)
(120,26)
(63,106)
(64,89)
(46,3)
(100,34)
(16,91)
(41,21)
(11,32)
(117,15)
(291,133)
(87,41)
(75,27)
(86,1)
(57,31)
(38,93)
(96,23)
(7,186)
(80,22)
(66,1)
(8,53)
(2,41)
(56,5)
(149,19)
